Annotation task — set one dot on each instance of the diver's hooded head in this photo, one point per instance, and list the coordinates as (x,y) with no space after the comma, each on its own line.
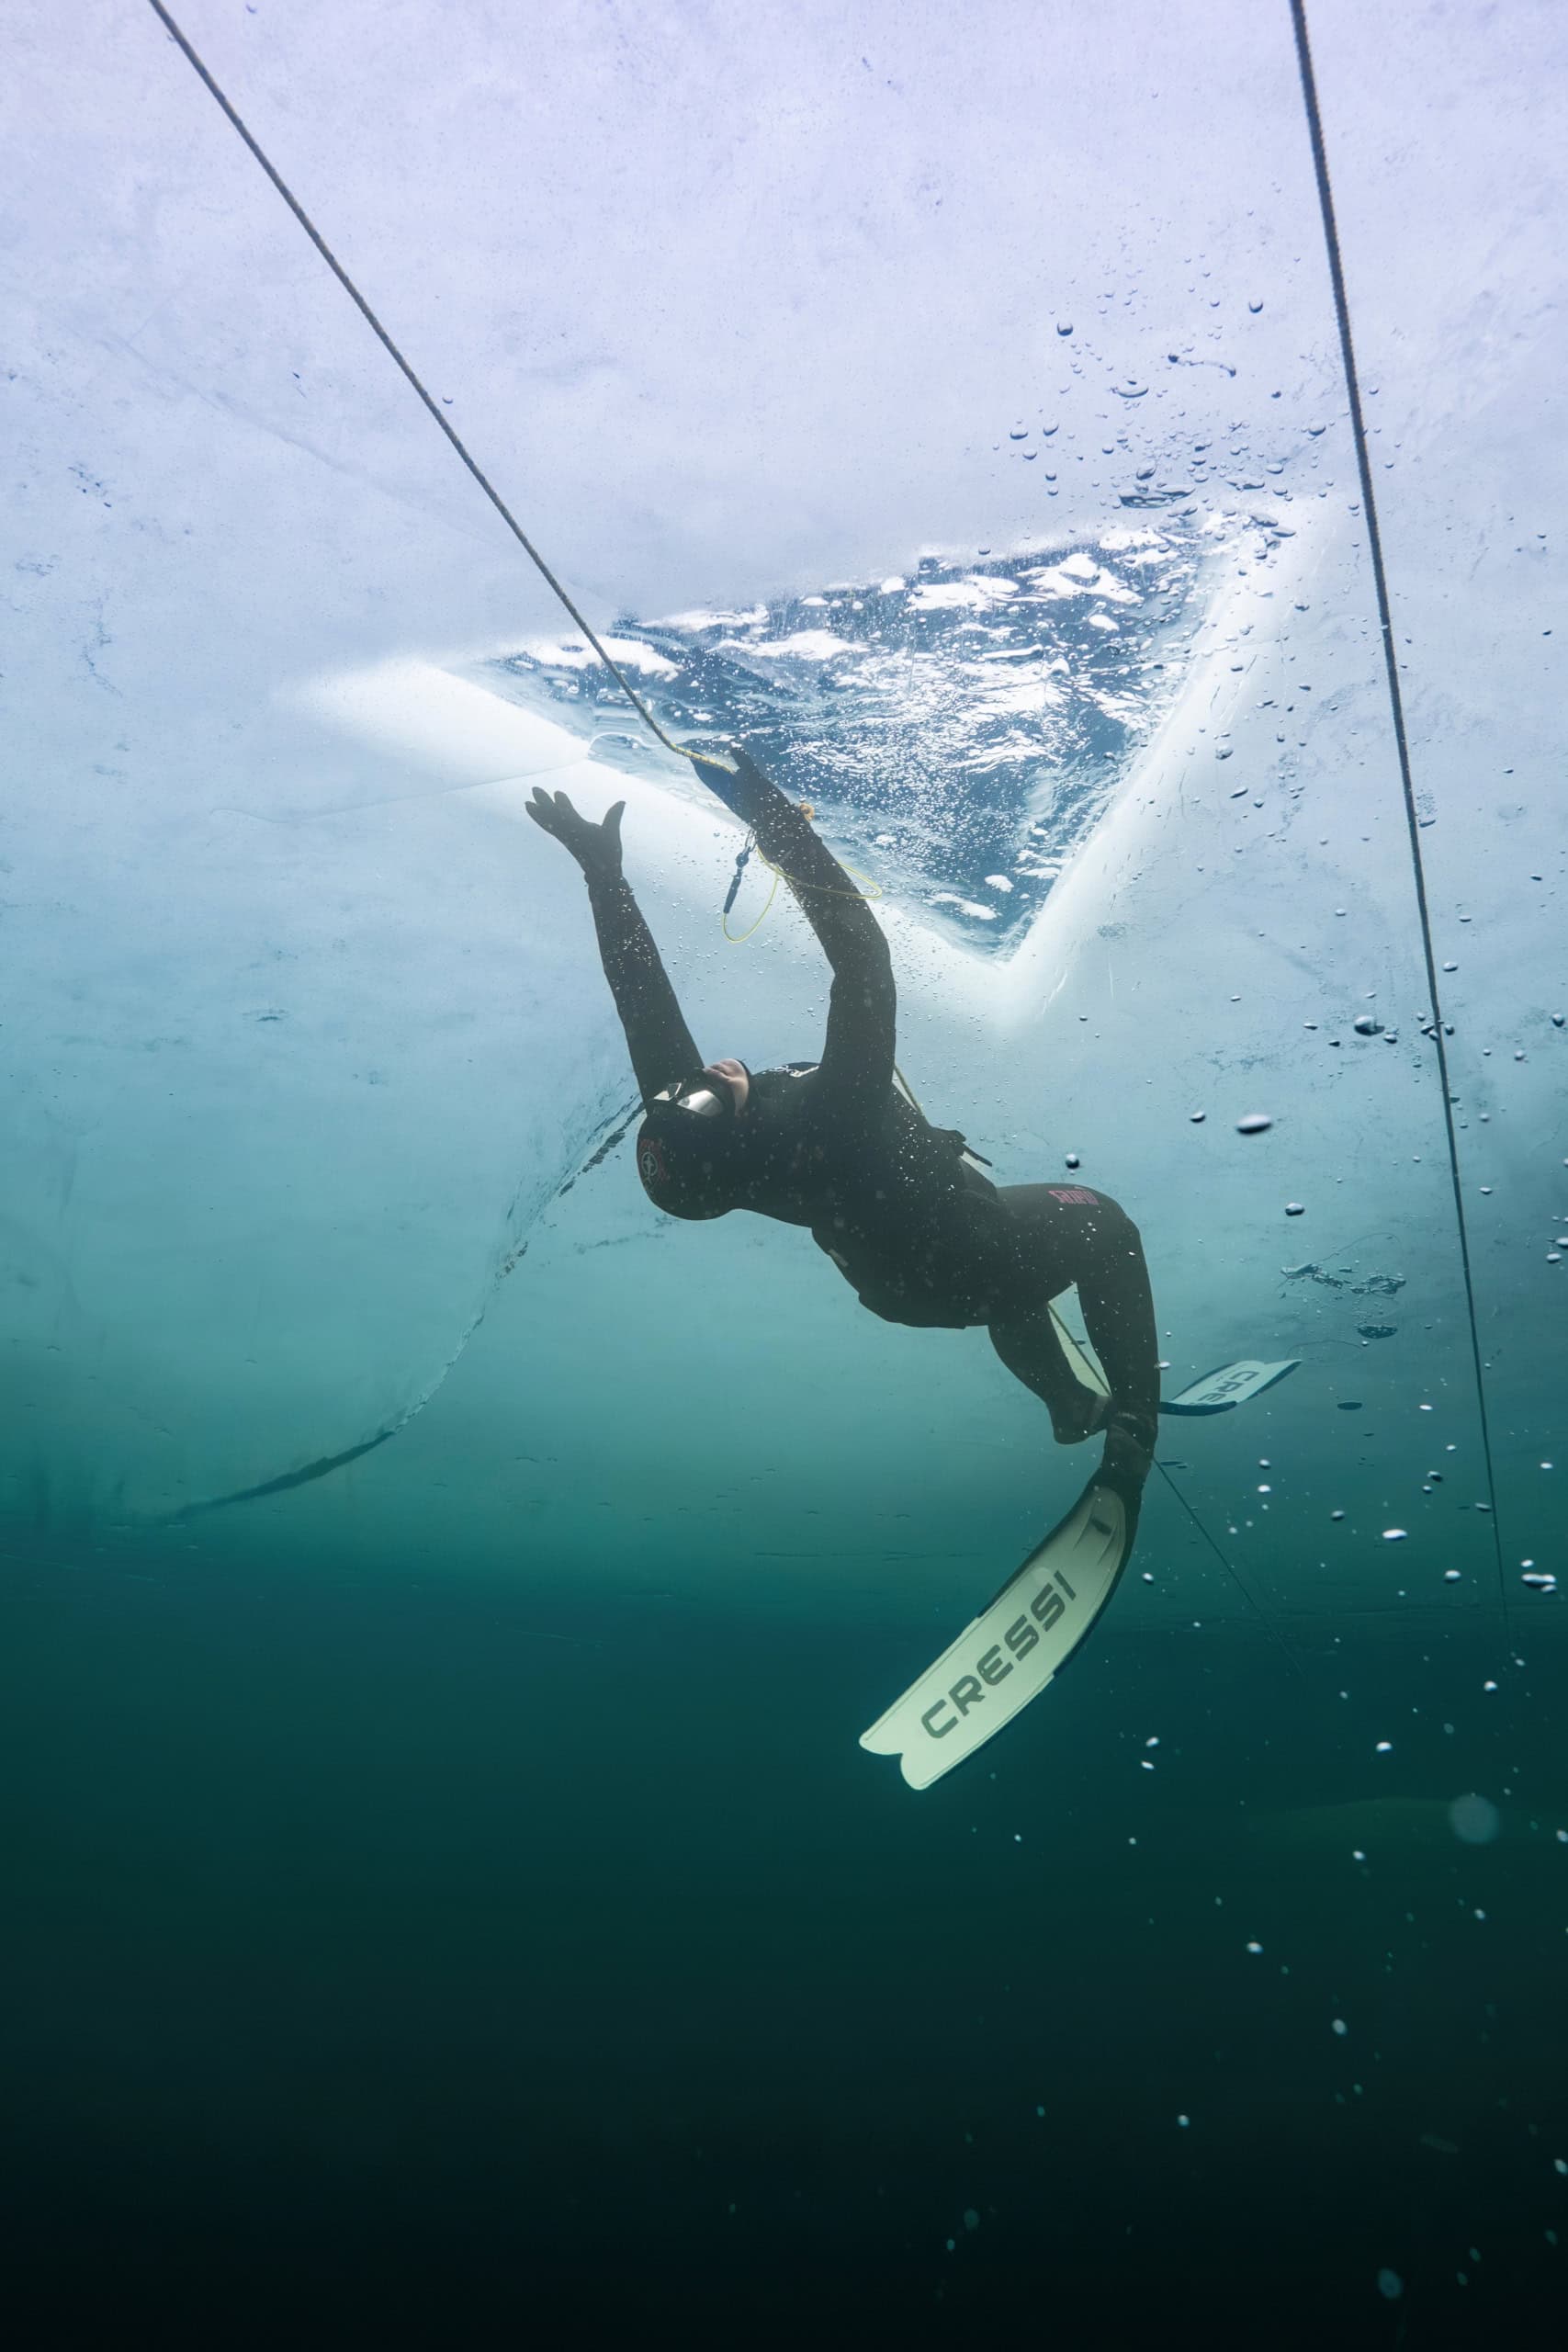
(693,1151)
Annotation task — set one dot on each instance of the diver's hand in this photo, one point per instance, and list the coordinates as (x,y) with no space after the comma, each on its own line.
(733,775)
(596,847)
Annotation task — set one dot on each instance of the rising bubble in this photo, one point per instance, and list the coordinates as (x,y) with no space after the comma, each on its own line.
(1475,1820)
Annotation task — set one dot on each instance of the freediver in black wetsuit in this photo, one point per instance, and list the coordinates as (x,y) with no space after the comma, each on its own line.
(923,1236)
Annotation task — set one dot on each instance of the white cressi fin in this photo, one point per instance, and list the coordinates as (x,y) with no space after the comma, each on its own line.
(1007,1655)
(1230,1384)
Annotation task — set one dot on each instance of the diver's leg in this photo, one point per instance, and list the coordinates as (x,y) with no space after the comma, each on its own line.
(1028,1345)
(1063,1234)
(1119,1316)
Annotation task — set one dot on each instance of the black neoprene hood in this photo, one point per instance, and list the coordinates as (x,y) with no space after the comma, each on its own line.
(698,1168)
(689,1166)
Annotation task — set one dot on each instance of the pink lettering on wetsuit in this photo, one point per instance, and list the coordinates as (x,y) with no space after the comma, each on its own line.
(1077,1196)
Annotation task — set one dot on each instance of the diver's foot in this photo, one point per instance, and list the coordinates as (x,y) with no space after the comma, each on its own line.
(1129,1452)
(1079,1415)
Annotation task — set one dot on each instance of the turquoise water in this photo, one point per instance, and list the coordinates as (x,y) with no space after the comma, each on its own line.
(449,1901)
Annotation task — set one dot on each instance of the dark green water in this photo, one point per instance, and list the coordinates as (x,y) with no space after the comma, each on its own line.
(401,1957)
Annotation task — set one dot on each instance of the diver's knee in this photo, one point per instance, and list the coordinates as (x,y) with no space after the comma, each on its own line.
(1118,1229)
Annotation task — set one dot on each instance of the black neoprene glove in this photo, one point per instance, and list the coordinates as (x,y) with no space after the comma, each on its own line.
(596,847)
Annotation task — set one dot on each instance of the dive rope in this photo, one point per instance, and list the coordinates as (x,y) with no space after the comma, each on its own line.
(1396,706)
(396,355)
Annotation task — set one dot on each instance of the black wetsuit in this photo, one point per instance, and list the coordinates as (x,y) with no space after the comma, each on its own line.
(920,1233)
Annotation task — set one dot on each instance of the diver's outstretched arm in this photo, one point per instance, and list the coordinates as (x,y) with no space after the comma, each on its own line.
(863,1006)
(661,1045)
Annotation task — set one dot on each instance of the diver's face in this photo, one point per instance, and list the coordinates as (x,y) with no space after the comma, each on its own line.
(733,1075)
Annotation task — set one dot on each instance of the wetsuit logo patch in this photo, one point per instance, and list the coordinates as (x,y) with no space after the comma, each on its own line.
(651,1165)
(1077,1196)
